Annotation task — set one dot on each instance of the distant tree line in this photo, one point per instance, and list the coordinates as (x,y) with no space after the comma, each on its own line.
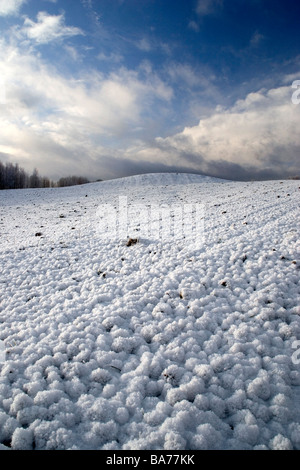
(71,181)
(12,176)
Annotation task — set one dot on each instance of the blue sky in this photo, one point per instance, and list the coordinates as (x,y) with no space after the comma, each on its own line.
(110,88)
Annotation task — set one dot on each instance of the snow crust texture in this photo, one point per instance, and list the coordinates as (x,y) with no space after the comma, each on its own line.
(155,345)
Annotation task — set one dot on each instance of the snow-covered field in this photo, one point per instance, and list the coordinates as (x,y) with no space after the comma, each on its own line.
(164,344)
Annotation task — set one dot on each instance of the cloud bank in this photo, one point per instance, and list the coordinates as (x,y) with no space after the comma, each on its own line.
(255,138)
(51,121)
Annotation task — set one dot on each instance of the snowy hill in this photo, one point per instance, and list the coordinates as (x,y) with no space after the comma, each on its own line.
(186,338)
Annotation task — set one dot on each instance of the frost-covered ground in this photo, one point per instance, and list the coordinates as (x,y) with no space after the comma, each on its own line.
(158,345)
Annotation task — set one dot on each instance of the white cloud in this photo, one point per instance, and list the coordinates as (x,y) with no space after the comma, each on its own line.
(112,57)
(144,45)
(48,28)
(258,136)
(208,7)
(10,7)
(256,39)
(73,53)
(50,121)
(186,75)
(194,26)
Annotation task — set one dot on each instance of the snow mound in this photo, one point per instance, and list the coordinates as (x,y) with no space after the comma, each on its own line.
(162,179)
